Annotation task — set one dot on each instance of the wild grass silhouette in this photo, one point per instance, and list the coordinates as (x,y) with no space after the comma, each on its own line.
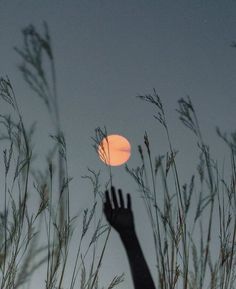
(183,258)
(22,251)
(186,254)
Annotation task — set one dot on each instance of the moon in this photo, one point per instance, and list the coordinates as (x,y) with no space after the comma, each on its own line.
(114,150)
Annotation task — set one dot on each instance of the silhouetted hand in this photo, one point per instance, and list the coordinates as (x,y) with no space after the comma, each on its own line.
(119,216)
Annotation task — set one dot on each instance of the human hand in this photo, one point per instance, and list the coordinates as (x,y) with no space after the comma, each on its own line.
(118,216)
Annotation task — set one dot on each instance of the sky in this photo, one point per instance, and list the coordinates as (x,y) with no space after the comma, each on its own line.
(107,53)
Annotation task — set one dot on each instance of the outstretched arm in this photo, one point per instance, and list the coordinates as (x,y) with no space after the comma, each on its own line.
(122,220)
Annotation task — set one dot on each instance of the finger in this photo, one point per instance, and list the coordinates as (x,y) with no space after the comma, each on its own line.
(114,199)
(121,198)
(108,213)
(129,203)
(107,203)
(107,208)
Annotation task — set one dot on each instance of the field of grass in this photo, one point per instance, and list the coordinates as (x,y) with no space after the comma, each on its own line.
(193,227)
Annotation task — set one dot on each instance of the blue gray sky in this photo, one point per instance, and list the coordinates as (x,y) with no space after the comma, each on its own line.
(107,53)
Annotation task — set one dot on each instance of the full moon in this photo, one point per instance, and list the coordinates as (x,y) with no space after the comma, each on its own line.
(114,150)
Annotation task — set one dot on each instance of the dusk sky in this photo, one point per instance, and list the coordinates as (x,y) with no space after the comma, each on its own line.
(107,53)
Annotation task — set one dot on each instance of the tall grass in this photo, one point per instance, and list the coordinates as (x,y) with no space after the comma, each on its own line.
(23,249)
(182,228)
(187,254)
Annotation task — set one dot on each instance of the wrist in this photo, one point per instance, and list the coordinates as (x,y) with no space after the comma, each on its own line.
(127,234)
(130,241)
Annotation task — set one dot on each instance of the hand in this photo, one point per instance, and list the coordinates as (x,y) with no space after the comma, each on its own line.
(118,216)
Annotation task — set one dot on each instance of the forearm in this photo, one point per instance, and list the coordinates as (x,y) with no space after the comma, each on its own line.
(140,272)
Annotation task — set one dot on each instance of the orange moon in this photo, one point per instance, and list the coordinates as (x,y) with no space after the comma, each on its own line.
(114,150)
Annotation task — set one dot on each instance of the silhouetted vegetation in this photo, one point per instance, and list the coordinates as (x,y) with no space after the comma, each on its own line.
(183,221)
